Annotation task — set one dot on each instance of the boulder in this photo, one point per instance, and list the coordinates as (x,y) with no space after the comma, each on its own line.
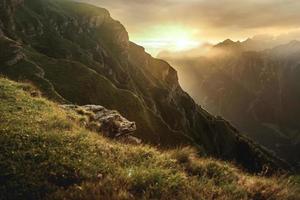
(110,123)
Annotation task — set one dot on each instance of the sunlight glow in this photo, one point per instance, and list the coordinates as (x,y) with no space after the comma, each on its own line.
(170,38)
(184,44)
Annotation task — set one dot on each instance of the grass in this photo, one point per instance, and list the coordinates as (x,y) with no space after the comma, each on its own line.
(64,75)
(46,154)
(71,59)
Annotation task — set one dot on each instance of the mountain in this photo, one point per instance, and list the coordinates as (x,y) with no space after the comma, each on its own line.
(47,154)
(76,53)
(257,91)
(256,43)
(229,44)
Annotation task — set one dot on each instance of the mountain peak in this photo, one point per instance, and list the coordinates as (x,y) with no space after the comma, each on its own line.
(294,43)
(228,43)
(228,40)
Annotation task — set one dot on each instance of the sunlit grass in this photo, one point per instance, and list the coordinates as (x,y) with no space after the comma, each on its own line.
(46,154)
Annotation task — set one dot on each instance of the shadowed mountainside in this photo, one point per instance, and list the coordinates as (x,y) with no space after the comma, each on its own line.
(257,91)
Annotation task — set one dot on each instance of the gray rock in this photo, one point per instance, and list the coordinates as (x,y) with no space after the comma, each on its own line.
(108,122)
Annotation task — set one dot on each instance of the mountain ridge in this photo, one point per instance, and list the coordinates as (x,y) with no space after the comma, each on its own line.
(260,84)
(74,56)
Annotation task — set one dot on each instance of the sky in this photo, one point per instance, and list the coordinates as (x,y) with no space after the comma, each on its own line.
(177,25)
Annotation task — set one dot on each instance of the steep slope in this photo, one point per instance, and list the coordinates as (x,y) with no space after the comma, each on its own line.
(256,91)
(45,154)
(77,53)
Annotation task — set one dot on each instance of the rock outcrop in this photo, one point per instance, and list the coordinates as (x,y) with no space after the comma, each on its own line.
(110,123)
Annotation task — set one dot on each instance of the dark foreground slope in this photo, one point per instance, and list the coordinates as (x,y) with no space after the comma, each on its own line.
(77,53)
(45,154)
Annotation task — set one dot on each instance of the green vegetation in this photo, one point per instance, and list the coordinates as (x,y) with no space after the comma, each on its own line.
(46,154)
(76,53)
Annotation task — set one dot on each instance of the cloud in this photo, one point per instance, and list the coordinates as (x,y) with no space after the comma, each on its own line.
(220,13)
(214,19)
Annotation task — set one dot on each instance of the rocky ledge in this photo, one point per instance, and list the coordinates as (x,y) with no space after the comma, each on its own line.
(110,123)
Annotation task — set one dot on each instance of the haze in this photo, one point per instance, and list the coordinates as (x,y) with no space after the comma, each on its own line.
(184,24)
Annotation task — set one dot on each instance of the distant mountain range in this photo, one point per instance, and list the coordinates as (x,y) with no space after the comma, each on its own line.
(253,84)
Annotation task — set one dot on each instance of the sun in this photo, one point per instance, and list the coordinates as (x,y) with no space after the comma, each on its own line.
(179,38)
(185,44)
(167,38)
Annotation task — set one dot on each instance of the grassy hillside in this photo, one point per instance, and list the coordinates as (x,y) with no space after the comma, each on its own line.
(46,154)
(77,53)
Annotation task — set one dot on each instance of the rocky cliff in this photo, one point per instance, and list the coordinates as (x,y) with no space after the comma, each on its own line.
(77,53)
